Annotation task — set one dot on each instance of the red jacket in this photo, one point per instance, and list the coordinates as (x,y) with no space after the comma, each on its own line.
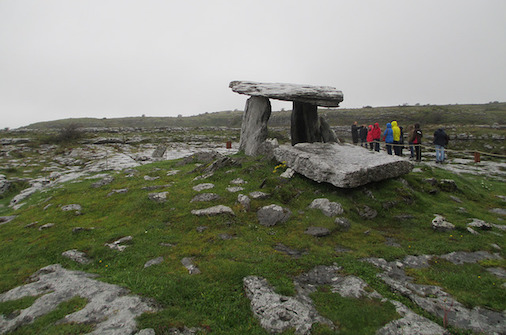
(369,134)
(376,132)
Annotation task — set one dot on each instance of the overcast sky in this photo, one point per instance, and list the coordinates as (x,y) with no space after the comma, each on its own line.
(116,58)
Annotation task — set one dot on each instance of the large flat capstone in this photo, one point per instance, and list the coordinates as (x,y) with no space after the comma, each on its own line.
(325,96)
(341,165)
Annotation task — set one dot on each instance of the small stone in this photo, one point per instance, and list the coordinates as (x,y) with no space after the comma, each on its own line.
(496,247)
(245,201)
(46,226)
(317,231)
(120,191)
(153,261)
(5,219)
(116,245)
(257,195)
(343,224)
(499,211)
(172,172)
(431,181)
(238,181)
(205,197)
(272,215)
(289,251)
(30,225)
(327,207)
(480,224)
(72,207)
(456,199)
(226,237)
(234,189)
(201,187)
(149,178)
(146,331)
(158,197)
(472,231)
(77,256)
(188,264)
(288,174)
(165,244)
(498,272)
(47,206)
(106,180)
(367,212)
(201,229)
(448,185)
(439,223)
(215,210)
(81,229)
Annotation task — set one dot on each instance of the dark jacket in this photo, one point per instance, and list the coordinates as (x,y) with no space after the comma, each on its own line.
(363,134)
(440,137)
(354,133)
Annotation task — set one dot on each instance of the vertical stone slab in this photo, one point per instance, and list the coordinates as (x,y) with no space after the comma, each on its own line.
(254,124)
(305,127)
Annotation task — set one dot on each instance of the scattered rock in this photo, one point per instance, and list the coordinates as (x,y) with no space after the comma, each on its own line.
(472,231)
(404,217)
(116,245)
(153,261)
(188,264)
(106,180)
(254,124)
(215,210)
(277,313)
(289,251)
(257,195)
(226,237)
(72,207)
(33,224)
(169,245)
(498,272)
(343,224)
(327,207)
(158,197)
(367,212)
(47,206)
(317,231)
(4,184)
(234,189)
(288,174)
(202,187)
(480,224)
(496,247)
(272,215)
(159,151)
(201,229)
(172,172)
(46,226)
(238,181)
(77,256)
(146,331)
(149,178)
(448,185)
(456,199)
(463,257)
(6,219)
(81,229)
(205,197)
(245,202)
(439,223)
(119,191)
(431,181)
(499,211)
(109,307)
(389,204)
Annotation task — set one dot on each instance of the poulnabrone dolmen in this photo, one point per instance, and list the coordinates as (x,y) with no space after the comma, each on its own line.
(315,151)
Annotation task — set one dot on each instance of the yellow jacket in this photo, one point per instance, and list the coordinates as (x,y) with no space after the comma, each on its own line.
(396,130)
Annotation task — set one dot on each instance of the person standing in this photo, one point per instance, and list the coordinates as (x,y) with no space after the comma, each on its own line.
(363,135)
(417,141)
(441,140)
(369,137)
(411,130)
(354,132)
(397,138)
(388,137)
(376,136)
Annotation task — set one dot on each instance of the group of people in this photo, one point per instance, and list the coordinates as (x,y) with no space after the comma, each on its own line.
(371,136)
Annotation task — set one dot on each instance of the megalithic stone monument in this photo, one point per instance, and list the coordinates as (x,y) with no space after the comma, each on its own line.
(341,165)
(306,126)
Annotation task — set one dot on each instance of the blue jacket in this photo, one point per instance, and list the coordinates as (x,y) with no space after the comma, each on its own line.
(388,135)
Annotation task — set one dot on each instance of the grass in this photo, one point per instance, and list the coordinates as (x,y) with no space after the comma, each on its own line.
(215,300)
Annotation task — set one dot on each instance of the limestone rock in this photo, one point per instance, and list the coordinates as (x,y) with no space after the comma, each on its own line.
(5,219)
(159,151)
(367,212)
(158,197)
(327,207)
(316,95)
(71,207)
(254,125)
(277,313)
(245,201)
(499,211)
(188,264)
(109,307)
(202,187)
(439,223)
(215,210)
(463,257)
(343,224)
(317,231)
(119,191)
(259,195)
(77,256)
(106,180)
(480,224)
(154,261)
(149,178)
(234,189)
(205,197)
(238,181)
(344,166)
(4,184)
(117,245)
(46,226)
(172,172)
(289,173)
(289,251)
(448,185)
(272,215)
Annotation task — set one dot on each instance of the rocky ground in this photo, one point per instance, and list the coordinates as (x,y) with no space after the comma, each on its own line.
(113,309)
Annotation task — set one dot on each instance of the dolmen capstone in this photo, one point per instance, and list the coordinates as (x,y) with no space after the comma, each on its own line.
(315,151)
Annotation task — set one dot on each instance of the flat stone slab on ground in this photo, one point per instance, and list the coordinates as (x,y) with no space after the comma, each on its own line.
(341,165)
